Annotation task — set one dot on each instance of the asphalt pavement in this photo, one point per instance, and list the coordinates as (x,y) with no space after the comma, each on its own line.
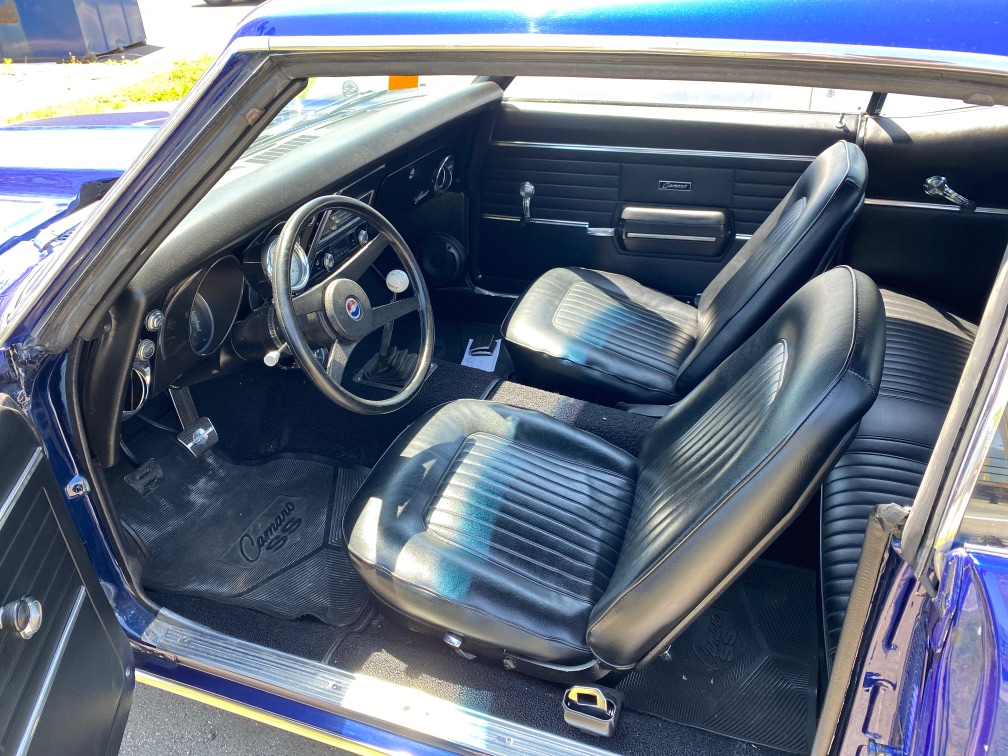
(168,725)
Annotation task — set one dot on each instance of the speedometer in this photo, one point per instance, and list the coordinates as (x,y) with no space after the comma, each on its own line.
(300,270)
(201,326)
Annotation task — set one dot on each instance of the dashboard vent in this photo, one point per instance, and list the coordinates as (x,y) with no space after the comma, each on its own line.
(271,154)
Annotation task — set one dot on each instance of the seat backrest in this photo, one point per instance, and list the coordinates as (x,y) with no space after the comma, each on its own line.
(732,464)
(794,244)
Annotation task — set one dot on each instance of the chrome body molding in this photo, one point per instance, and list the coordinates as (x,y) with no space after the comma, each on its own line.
(671,237)
(19,485)
(651,151)
(355,696)
(47,683)
(933,206)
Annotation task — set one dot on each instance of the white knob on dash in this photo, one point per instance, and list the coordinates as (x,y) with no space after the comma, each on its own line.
(397,281)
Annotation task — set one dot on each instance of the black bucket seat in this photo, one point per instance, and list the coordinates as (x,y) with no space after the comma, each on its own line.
(604,336)
(524,539)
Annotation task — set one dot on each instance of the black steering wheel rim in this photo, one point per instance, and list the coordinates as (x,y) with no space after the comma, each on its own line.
(283,302)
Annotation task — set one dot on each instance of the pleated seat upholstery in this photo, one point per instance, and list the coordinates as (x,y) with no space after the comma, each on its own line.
(606,337)
(926,350)
(525,539)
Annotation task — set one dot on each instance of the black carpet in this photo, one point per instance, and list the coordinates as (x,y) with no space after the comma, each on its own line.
(262,411)
(262,535)
(747,667)
(390,652)
(619,428)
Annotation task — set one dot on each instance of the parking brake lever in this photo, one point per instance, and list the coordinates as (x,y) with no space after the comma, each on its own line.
(937,186)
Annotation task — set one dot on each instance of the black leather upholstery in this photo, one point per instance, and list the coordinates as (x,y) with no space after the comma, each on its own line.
(608,337)
(926,350)
(527,537)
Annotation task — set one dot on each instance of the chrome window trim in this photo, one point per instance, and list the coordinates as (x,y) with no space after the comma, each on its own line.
(609,149)
(354,696)
(20,485)
(47,683)
(933,206)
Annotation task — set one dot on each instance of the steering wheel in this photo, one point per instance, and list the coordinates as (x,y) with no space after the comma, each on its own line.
(337,311)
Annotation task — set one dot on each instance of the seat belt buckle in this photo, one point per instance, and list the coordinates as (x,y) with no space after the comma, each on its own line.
(592,708)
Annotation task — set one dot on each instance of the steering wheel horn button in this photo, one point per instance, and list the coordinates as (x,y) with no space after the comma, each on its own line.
(353,308)
(348,309)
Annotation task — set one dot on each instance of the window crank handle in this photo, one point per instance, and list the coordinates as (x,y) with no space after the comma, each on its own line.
(937,186)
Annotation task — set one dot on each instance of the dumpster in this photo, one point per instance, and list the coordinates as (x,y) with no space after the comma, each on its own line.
(34,30)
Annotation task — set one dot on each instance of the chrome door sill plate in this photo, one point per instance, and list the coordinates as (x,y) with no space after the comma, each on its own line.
(354,696)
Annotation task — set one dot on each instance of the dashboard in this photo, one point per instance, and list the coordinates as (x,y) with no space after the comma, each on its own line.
(176,322)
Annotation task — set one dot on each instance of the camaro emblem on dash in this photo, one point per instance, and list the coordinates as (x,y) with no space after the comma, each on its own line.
(678,186)
(353,308)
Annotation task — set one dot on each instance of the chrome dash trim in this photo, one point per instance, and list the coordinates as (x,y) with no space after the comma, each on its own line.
(354,696)
(669,237)
(743,237)
(50,677)
(651,151)
(933,206)
(593,231)
(20,485)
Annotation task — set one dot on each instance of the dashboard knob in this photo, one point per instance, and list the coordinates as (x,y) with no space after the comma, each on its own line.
(155,320)
(362,236)
(397,281)
(145,350)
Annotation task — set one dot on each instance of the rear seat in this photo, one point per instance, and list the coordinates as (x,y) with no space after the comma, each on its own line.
(926,350)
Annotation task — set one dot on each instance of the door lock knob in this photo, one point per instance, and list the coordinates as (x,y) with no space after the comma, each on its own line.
(22,617)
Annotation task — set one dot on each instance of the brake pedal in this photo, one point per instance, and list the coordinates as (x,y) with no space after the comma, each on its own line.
(198,433)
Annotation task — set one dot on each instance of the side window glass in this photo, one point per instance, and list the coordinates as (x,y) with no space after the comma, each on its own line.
(686,93)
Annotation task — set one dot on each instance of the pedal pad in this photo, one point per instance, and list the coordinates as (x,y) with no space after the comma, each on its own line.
(483,345)
(199,438)
(592,708)
(198,433)
(146,478)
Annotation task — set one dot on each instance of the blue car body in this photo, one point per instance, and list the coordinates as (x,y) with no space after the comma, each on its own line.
(38,272)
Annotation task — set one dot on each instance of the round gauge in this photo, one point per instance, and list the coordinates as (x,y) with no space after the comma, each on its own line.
(300,270)
(201,326)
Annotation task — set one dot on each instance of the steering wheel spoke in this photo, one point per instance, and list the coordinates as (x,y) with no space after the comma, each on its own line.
(385,314)
(339,356)
(358,265)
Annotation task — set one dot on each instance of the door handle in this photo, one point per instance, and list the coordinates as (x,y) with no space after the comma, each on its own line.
(22,617)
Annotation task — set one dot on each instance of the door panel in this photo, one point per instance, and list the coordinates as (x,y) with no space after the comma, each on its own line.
(589,163)
(67,688)
(923,245)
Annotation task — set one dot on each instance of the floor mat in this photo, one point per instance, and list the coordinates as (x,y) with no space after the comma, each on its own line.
(747,668)
(261,535)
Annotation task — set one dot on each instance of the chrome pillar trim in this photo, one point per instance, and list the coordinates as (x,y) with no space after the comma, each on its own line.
(650,151)
(932,206)
(19,486)
(47,683)
(355,696)
(670,237)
